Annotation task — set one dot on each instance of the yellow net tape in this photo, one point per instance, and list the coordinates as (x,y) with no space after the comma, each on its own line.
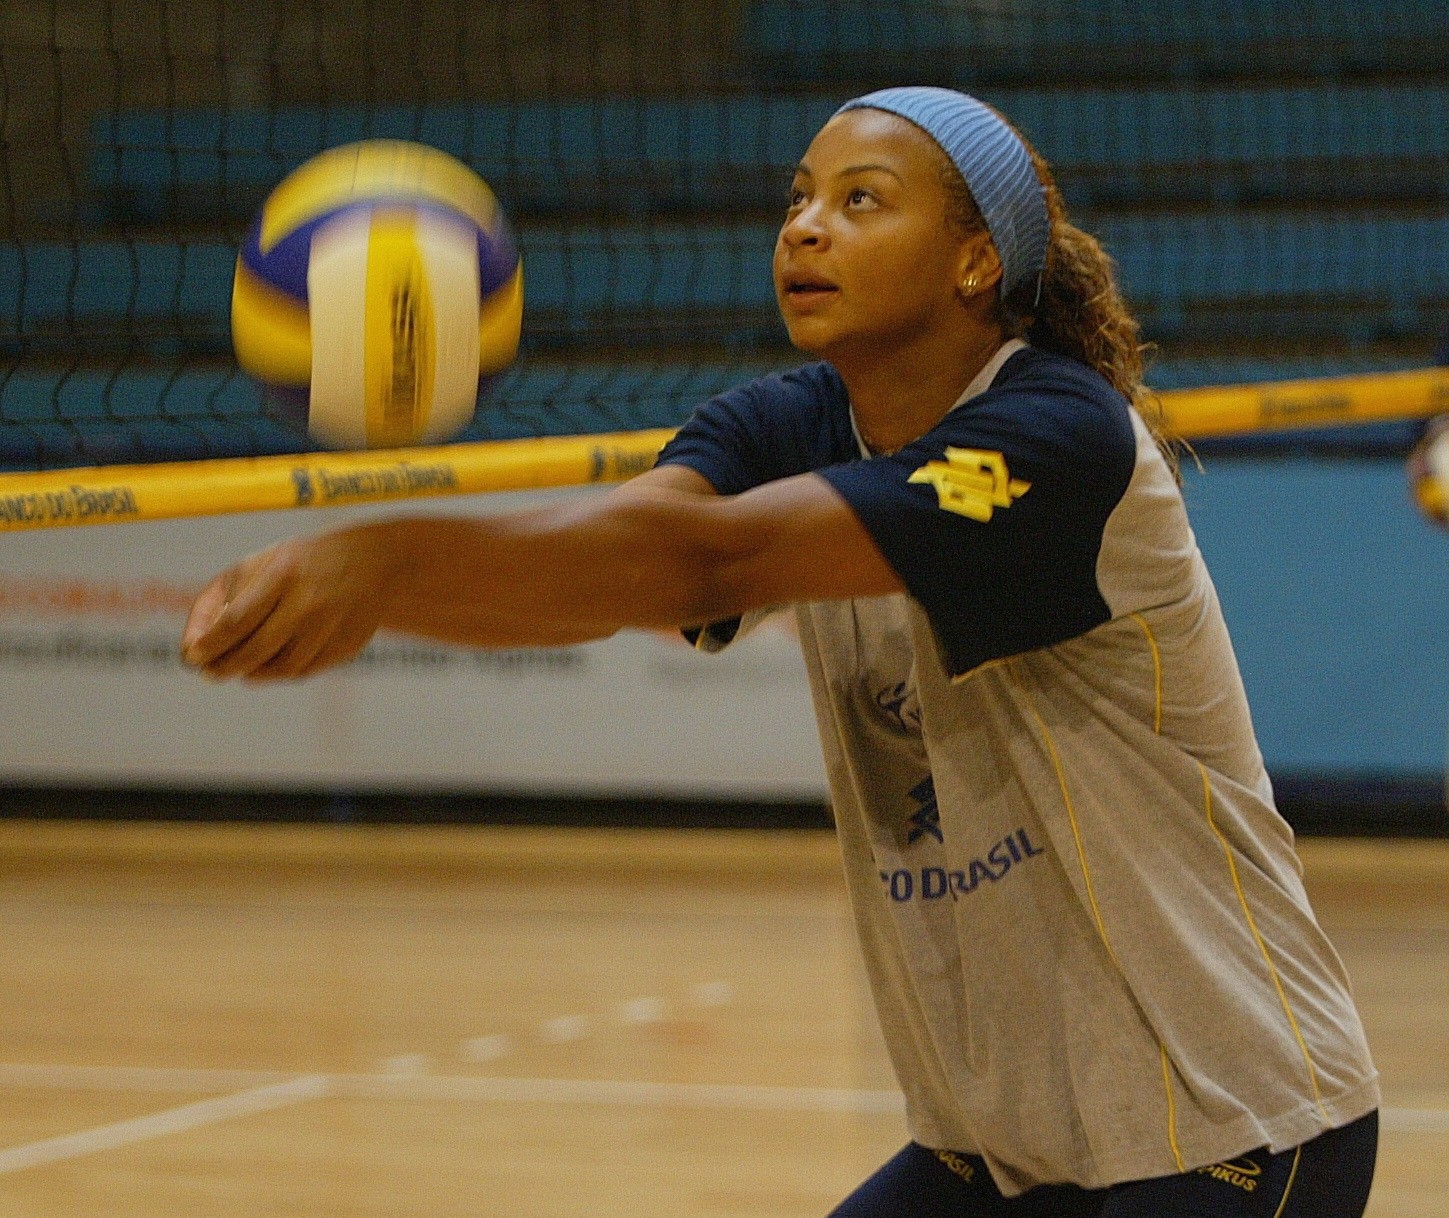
(112,494)
(1200,414)
(122,493)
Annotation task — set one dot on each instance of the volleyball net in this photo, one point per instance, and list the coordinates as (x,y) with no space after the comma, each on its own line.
(1289,237)
(115,494)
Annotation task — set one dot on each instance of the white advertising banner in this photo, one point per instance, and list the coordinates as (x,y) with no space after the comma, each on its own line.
(94,692)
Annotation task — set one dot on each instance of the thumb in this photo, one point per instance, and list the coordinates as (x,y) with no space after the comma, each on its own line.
(207,607)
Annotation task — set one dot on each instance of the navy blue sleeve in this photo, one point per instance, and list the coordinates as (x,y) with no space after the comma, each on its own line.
(772,428)
(993,520)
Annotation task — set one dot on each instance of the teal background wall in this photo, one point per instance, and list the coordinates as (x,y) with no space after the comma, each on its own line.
(1336,591)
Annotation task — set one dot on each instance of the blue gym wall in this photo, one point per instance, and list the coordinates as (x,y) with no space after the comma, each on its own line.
(1335,590)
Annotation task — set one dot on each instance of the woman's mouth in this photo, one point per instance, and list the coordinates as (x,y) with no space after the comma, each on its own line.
(808,289)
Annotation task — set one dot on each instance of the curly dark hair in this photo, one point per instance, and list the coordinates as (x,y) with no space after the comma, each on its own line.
(1081,313)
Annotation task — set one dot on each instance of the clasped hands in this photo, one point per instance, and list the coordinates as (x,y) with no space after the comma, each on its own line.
(292,610)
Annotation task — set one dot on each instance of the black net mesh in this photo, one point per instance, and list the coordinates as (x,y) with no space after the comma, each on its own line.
(1274,183)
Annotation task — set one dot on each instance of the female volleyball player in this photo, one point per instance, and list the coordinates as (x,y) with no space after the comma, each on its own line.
(1094,963)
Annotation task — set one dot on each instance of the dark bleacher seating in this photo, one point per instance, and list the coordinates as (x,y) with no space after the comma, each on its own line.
(74,299)
(966,44)
(1352,276)
(1109,147)
(1264,173)
(55,416)
(1349,275)
(621,156)
(1222,145)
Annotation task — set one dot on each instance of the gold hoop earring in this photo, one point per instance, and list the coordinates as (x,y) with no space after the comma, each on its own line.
(970,284)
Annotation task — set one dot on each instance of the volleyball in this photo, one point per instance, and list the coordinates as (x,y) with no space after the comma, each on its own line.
(1429,472)
(377,292)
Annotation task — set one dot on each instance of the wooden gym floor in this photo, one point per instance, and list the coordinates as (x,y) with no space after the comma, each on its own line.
(229,1021)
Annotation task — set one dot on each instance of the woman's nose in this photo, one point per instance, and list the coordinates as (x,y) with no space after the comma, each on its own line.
(804,229)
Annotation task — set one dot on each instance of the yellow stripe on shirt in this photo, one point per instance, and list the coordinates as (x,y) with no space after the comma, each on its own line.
(1207,795)
(1092,899)
(1156,672)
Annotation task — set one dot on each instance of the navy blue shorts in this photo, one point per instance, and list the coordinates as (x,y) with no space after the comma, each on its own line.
(1328,1177)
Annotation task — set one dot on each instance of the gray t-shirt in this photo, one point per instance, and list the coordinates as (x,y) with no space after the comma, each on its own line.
(1083,920)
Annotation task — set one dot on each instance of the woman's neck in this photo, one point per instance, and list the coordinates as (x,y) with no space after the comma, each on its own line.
(897,397)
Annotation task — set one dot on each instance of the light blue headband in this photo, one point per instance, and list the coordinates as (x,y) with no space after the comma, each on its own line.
(995,165)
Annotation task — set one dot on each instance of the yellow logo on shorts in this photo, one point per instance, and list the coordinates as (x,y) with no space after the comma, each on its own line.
(956,1164)
(971,482)
(1240,1173)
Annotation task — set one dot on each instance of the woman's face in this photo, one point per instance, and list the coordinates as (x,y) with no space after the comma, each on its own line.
(866,259)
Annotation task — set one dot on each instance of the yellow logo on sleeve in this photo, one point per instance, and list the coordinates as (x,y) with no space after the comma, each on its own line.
(971,482)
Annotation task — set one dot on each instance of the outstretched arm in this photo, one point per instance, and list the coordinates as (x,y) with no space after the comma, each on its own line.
(661,551)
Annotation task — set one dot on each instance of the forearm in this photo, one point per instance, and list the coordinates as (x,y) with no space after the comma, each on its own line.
(473,630)
(551,576)
(644,555)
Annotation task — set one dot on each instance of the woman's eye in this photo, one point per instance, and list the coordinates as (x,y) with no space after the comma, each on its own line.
(859,197)
(797,197)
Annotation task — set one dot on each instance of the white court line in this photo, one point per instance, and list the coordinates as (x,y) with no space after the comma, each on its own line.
(488,1089)
(465,1088)
(565,1028)
(616,1093)
(159,1124)
(486,1048)
(48,1077)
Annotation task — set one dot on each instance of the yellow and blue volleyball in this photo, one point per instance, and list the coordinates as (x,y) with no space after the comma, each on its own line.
(1429,471)
(379,290)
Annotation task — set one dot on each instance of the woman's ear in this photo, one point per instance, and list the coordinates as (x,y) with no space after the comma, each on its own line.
(978,268)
